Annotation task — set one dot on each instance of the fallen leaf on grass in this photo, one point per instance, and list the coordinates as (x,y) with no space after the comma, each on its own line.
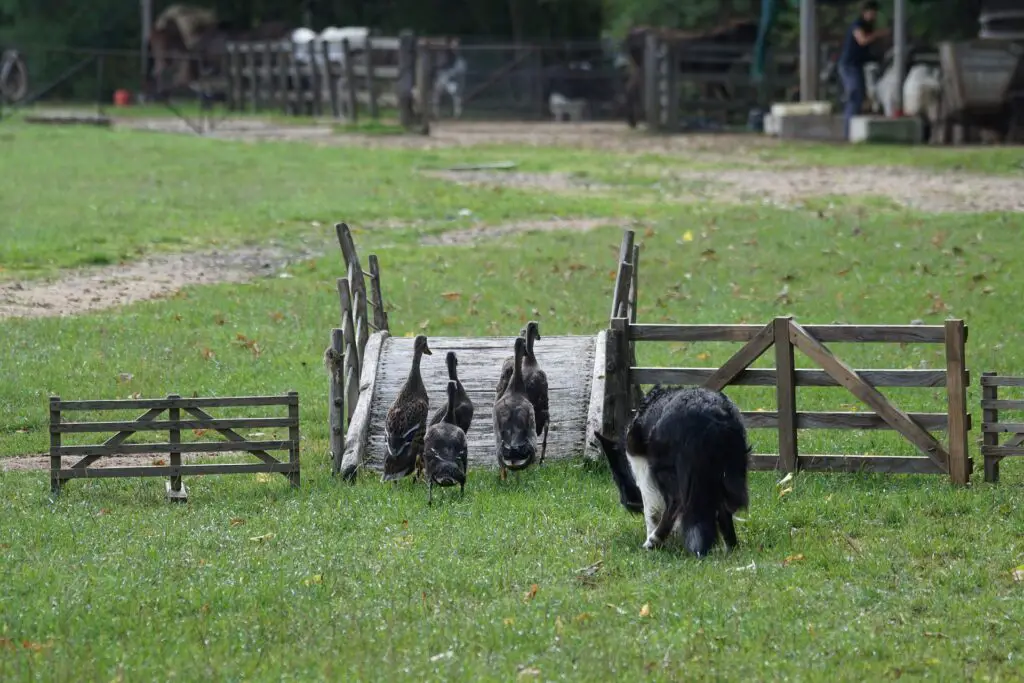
(645,611)
(530,594)
(582,617)
(649,232)
(588,573)
(277,316)
(206,353)
(703,356)
(688,236)
(442,655)
(786,491)
(751,566)
(263,538)
(785,480)
(315,579)
(21,430)
(988,290)
(1018,574)
(424,324)
(159,461)
(103,511)
(124,377)
(262,477)
(616,608)
(559,626)
(199,432)
(528,671)
(219,319)
(799,557)
(451,296)
(508,621)
(935,634)
(237,521)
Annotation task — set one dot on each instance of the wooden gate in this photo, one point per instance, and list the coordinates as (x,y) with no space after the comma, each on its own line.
(623,377)
(991,403)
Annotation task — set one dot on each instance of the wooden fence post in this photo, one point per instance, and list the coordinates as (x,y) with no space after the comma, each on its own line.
(652,89)
(956,343)
(785,392)
(617,391)
(351,100)
(352,367)
(424,67)
(175,491)
(990,416)
(406,77)
(250,70)
(380,316)
(316,81)
(371,85)
(622,279)
(293,436)
(335,362)
(54,445)
(330,79)
(670,79)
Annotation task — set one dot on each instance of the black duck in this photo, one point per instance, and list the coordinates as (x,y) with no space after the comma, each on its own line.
(463,406)
(515,427)
(406,422)
(506,370)
(445,452)
(536,382)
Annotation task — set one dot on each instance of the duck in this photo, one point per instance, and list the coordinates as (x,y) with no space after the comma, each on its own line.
(445,451)
(536,383)
(515,426)
(406,421)
(463,406)
(506,371)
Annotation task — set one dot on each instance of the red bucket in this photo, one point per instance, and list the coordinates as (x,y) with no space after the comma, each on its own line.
(122,98)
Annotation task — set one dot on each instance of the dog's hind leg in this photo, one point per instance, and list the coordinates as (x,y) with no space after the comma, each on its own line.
(699,536)
(657,536)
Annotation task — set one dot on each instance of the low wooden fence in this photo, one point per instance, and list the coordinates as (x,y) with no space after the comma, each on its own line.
(386,72)
(199,420)
(991,404)
(623,376)
(709,81)
(344,357)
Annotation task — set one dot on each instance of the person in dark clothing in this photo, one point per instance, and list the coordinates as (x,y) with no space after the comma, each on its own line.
(855,53)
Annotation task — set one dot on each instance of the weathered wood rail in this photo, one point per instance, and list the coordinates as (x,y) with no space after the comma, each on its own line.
(199,421)
(992,427)
(623,376)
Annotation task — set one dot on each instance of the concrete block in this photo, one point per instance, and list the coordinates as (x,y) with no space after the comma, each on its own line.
(176,496)
(801,108)
(810,127)
(770,124)
(906,130)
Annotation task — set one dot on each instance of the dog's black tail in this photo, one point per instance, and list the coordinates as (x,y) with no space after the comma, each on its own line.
(622,474)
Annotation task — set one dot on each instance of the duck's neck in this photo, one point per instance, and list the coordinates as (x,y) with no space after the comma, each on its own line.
(415,380)
(449,413)
(529,347)
(517,372)
(453,373)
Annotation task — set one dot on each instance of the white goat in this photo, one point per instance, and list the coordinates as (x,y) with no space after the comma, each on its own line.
(922,94)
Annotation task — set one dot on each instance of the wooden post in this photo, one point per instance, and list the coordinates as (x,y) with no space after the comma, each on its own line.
(336,398)
(956,342)
(359,318)
(621,279)
(380,316)
(283,64)
(234,78)
(406,77)
(617,382)
(54,445)
(250,69)
(652,89)
(316,82)
(424,69)
(990,416)
(261,67)
(636,394)
(670,71)
(293,436)
(371,86)
(351,101)
(351,355)
(785,392)
(175,491)
(330,80)
(809,51)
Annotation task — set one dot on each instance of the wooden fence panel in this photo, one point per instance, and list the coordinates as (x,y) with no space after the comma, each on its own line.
(992,450)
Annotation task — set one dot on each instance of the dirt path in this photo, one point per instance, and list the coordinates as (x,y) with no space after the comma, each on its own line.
(93,289)
(32,463)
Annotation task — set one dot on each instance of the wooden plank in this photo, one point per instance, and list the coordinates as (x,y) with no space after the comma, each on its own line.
(990,420)
(636,393)
(55,438)
(371,77)
(166,425)
(764,419)
(167,471)
(386,43)
(853,463)
(651,84)
(1002,427)
(362,332)
(1002,404)
(595,410)
(785,394)
(424,87)
(903,334)
(567,360)
(359,421)
(164,403)
(191,447)
(356,279)
(694,333)
(334,359)
(121,437)
(850,379)
(351,100)
(379,72)
(991,379)
(295,438)
(804,378)
(380,316)
(174,439)
(749,353)
(960,465)
(1002,451)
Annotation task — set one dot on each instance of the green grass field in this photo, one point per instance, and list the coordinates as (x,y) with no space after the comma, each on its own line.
(846,577)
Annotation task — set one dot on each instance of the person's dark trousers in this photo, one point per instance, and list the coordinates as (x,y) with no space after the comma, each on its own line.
(854,88)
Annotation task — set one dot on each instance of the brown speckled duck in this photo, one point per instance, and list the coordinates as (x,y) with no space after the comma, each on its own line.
(463,406)
(536,382)
(445,452)
(406,422)
(515,428)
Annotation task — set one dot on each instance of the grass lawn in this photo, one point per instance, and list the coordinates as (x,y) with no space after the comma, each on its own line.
(846,577)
